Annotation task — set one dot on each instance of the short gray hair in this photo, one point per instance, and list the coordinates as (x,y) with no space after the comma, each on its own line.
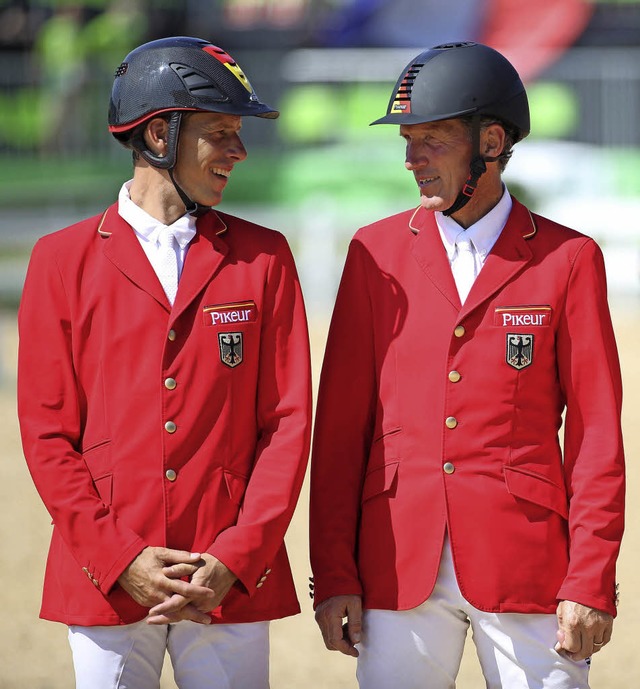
(511,135)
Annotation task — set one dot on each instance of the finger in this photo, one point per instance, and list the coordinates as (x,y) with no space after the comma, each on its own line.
(337,641)
(187,613)
(180,570)
(173,557)
(204,601)
(189,590)
(569,644)
(349,648)
(336,638)
(600,641)
(354,623)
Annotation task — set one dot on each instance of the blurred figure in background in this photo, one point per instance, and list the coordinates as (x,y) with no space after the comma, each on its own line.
(462,331)
(164,395)
(74,53)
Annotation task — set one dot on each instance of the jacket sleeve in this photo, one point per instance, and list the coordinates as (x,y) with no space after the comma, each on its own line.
(51,425)
(589,373)
(283,409)
(342,434)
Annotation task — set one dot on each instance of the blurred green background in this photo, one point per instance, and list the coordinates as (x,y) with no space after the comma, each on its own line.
(320,172)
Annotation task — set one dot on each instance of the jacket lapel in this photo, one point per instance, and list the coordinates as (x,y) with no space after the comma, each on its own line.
(507,258)
(206,252)
(123,249)
(428,250)
(510,254)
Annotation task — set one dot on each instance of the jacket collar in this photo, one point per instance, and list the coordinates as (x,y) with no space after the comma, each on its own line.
(206,252)
(508,256)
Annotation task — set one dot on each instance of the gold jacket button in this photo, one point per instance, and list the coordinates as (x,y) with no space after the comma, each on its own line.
(459,331)
(448,468)
(170,427)
(171,475)
(172,335)
(451,422)
(454,376)
(170,383)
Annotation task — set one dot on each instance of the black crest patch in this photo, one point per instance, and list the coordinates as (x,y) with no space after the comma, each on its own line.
(231,346)
(519,350)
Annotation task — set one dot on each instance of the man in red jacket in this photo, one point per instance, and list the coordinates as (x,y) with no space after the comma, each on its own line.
(462,331)
(164,395)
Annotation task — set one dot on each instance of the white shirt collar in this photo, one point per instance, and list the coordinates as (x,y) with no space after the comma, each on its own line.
(147,227)
(483,234)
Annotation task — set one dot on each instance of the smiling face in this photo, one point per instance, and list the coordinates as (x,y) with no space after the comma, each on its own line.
(208,148)
(438,154)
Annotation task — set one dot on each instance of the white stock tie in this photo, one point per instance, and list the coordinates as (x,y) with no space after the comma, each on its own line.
(464,266)
(168,263)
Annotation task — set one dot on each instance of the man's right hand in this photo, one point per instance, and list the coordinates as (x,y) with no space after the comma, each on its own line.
(146,582)
(329,616)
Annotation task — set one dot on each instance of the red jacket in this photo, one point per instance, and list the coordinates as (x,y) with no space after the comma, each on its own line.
(432,416)
(145,425)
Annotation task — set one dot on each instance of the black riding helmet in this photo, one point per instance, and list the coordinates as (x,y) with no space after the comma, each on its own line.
(174,75)
(458,80)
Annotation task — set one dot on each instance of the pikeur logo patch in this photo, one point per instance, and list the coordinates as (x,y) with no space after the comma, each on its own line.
(519,350)
(225,314)
(522,316)
(231,346)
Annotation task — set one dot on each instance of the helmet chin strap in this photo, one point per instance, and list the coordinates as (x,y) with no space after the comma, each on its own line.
(192,206)
(477,168)
(168,162)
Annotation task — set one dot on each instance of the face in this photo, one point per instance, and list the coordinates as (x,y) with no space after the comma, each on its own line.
(438,154)
(208,148)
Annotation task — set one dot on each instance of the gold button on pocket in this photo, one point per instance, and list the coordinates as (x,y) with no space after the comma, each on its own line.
(451,422)
(454,376)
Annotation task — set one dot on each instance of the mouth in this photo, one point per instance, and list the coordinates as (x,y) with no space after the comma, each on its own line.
(221,172)
(425,181)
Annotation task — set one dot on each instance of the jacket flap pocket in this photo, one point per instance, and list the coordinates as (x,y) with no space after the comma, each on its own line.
(236,486)
(379,480)
(537,489)
(97,457)
(104,487)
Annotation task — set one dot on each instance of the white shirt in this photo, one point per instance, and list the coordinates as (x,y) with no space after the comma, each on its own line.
(147,230)
(483,234)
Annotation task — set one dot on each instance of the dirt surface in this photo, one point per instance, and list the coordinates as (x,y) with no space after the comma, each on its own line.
(34,654)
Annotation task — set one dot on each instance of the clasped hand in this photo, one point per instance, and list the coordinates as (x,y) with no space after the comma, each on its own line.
(156,580)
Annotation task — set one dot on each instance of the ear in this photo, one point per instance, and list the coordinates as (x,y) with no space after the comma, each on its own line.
(492,140)
(156,136)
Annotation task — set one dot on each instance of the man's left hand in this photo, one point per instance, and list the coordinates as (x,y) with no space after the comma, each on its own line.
(213,575)
(582,631)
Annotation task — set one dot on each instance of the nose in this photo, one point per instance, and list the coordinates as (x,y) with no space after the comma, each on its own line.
(415,157)
(236,150)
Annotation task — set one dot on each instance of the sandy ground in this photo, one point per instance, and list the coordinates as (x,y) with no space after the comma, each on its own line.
(34,654)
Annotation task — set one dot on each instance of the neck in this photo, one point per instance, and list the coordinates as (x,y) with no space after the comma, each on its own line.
(485,198)
(153,191)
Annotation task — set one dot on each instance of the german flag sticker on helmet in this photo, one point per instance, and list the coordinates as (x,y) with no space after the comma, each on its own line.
(402,100)
(229,63)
